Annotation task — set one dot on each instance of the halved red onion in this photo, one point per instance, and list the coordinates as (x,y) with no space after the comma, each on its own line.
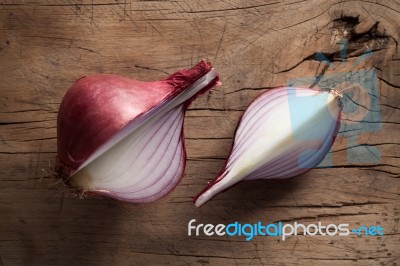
(285,132)
(123,138)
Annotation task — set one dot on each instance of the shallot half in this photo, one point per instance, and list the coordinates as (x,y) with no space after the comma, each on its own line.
(285,132)
(123,138)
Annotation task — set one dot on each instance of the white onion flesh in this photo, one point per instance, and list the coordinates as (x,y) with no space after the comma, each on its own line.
(146,159)
(283,133)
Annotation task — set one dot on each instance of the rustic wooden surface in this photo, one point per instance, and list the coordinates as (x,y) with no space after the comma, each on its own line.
(46,45)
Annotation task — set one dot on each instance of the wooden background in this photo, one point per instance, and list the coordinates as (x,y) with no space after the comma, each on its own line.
(46,45)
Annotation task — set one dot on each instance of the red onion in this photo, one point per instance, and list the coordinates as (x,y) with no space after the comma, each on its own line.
(123,138)
(285,132)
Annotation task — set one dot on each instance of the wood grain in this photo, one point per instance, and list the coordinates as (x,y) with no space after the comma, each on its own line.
(255,45)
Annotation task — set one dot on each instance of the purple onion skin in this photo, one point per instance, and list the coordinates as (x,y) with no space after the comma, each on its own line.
(97,107)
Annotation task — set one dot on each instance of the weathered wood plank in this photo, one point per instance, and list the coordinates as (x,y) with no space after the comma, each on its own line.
(255,45)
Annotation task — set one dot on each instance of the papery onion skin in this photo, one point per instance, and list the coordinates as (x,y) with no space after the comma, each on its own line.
(98,107)
(280,162)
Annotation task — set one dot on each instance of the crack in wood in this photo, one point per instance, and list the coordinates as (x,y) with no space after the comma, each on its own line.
(151,68)
(186,255)
(325,215)
(234,8)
